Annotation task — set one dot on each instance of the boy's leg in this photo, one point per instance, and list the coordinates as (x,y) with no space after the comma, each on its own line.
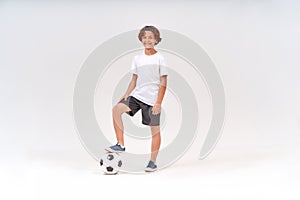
(117,112)
(155,130)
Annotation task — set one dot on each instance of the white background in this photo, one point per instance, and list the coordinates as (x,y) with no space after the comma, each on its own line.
(255,46)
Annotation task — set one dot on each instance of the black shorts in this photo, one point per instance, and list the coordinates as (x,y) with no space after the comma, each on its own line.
(147,117)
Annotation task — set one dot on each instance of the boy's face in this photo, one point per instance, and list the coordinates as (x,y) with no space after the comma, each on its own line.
(148,40)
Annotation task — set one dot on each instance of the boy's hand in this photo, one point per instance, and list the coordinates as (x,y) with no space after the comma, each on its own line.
(125,96)
(156,109)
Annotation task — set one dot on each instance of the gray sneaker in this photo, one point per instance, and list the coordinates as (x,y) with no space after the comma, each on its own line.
(151,167)
(115,148)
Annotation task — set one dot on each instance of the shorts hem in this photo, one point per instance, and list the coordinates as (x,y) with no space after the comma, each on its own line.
(150,124)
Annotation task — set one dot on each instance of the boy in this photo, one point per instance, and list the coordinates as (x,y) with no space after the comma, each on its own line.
(149,77)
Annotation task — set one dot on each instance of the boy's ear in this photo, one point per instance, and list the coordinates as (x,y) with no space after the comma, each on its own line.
(159,40)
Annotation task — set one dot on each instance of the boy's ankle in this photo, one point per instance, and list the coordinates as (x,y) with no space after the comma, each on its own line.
(122,146)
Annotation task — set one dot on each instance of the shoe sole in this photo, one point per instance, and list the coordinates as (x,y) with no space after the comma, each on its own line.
(109,150)
(150,170)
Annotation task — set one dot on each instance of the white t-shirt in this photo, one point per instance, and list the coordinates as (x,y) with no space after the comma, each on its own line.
(148,69)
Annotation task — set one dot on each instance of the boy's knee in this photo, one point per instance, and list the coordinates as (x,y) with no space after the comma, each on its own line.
(155,130)
(116,108)
(120,108)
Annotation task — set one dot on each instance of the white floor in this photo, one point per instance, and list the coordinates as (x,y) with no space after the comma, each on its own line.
(262,174)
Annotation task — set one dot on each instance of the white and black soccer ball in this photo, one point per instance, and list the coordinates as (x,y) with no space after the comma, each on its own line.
(110,163)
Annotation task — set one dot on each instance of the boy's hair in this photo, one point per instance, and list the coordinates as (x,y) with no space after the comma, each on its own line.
(153,29)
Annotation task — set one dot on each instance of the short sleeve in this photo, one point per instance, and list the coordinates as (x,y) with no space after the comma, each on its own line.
(133,69)
(163,67)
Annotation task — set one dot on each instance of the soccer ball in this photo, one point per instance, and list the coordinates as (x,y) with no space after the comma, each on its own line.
(110,163)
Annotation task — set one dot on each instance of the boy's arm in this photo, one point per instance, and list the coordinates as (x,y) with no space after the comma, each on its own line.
(162,89)
(131,86)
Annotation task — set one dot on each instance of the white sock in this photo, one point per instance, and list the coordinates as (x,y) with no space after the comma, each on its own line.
(121,145)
